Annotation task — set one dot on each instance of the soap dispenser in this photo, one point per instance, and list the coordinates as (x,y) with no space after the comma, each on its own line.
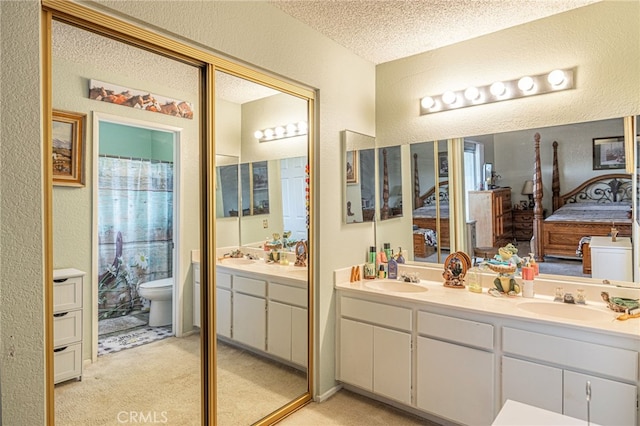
(400,257)
(392,268)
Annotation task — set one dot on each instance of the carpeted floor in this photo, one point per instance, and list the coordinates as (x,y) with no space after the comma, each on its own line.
(160,383)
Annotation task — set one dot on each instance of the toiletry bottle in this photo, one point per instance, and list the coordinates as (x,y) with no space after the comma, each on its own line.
(387,250)
(381,272)
(400,257)
(392,267)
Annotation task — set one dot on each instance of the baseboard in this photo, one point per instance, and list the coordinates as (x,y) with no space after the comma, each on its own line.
(328,394)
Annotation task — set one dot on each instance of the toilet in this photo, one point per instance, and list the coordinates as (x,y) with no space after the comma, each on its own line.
(159,293)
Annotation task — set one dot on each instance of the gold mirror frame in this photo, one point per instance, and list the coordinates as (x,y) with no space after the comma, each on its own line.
(108,26)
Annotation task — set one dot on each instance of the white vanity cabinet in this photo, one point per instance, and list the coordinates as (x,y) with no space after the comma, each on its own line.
(557,371)
(375,348)
(223,303)
(455,368)
(287,322)
(67,324)
(249,312)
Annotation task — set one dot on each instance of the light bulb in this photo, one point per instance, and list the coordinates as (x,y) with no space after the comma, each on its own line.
(427,102)
(449,97)
(472,93)
(268,133)
(525,84)
(291,128)
(498,88)
(279,131)
(302,127)
(556,77)
(258,134)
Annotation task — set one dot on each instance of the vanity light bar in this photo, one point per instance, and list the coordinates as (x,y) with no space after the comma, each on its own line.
(554,81)
(281,132)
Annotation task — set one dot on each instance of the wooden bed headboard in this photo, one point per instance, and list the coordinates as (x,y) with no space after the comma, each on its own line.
(603,189)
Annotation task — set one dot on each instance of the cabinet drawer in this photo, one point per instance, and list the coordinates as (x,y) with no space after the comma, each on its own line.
(67,294)
(250,286)
(470,333)
(223,280)
(614,362)
(376,313)
(522,217)
(67,362)
(287,294)
(196,273)
(67,328)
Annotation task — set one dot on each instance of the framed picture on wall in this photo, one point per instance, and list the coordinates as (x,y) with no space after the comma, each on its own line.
(608,153)
(352,167)
(68,148)
(443,164)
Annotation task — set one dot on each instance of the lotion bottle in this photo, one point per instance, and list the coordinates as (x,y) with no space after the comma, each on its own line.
(392,268)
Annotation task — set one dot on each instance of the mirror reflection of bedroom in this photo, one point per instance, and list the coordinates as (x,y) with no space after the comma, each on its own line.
(584,197)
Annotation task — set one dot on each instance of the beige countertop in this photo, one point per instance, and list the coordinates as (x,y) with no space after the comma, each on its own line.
(603,319)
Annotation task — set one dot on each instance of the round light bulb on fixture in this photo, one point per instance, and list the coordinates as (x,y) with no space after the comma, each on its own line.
(258,134)
(472,93)
(556,77)
(268,133)
(279,131)
(498,88)
(302,126)
(291,128)
(427,102)
(525,84)
(449,97)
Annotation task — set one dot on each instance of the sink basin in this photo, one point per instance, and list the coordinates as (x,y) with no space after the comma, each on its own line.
(237,261)
(565,311)
(396,286)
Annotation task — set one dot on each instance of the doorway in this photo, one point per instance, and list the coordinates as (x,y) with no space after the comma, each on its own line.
(135,245)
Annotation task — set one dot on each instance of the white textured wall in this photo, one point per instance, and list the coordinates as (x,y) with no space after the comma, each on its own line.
(21,235)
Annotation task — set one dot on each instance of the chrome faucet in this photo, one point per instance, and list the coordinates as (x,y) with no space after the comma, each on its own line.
(410,278)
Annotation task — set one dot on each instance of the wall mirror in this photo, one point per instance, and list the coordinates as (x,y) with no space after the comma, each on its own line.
(262,313)
(359,178)
(227,190)
(430,214)
(127,226)
(601,198)
(390,182)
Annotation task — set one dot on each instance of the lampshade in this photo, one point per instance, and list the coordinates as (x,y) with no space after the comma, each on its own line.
(527,189)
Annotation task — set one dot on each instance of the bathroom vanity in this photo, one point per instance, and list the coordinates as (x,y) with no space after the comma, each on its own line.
(263,307)
(457,355)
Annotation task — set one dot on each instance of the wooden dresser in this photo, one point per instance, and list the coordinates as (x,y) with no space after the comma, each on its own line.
(523,224)
(491,209)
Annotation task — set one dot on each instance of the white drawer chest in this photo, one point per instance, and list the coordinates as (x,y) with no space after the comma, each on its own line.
(67,324)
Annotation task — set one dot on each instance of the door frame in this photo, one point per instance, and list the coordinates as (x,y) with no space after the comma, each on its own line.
(178,286)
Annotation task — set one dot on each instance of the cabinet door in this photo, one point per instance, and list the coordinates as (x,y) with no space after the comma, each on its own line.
(392,364)
(299,335)
(279,334)
(356,353)
(455,382)
(612,403)
(223,312)
(532,384)
(250,320)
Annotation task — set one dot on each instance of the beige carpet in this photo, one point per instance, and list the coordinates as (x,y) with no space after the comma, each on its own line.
(160,383)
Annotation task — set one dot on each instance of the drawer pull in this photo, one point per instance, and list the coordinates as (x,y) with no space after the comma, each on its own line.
(61,280)
(61,314)
(60,349)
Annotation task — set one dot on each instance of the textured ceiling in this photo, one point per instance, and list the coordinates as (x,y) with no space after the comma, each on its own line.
(382,31)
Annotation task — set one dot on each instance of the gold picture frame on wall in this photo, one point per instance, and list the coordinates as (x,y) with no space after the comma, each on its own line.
(352,167)
(68,148)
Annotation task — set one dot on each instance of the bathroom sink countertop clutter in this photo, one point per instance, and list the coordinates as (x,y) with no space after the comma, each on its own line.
(594,316)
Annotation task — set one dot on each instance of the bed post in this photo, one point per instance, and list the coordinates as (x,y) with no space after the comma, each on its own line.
(384,212)
(555,180)
(416,183)
(537,245)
